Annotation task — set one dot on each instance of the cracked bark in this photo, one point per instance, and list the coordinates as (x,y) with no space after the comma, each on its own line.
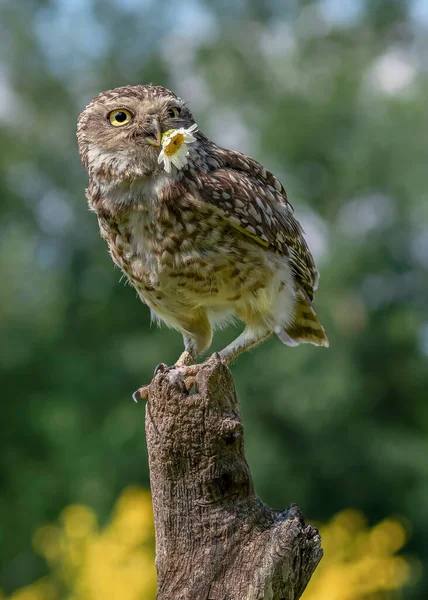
(215,539)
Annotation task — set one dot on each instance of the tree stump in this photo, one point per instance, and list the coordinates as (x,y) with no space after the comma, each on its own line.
(215,539)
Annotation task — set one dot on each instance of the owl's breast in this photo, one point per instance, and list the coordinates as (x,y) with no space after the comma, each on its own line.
(179,260)
(158,250)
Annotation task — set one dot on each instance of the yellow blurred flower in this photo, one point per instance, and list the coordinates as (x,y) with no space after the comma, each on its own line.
(359,561)
(117,561)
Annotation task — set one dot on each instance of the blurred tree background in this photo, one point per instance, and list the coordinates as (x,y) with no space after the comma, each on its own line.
(331,96)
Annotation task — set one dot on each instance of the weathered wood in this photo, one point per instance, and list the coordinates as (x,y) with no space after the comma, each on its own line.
(215,539)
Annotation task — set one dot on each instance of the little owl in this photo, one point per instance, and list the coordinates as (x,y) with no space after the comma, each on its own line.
(204,235)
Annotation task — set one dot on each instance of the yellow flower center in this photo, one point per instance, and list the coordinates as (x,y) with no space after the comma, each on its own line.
(174,144)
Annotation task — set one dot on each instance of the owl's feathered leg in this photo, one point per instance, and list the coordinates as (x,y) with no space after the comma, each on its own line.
(192,347)
(195,343)
(197,335)
(249,338)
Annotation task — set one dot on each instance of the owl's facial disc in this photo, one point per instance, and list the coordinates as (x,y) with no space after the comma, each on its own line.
(120,131)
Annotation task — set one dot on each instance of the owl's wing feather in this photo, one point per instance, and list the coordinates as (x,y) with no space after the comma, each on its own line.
(255,203)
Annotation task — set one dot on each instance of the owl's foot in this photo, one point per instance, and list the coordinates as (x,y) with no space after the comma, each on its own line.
(186,373)
(160,368)
(141,394)
(184,360)
(191,371)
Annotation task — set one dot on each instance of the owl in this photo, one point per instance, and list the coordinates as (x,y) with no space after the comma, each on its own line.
(204,234)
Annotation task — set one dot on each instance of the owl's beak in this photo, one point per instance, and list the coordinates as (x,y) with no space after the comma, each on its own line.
(153,133)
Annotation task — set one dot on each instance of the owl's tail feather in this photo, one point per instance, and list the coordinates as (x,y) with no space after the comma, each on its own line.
(305,329)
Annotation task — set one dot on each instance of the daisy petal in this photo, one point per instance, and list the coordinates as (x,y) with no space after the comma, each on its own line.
(174,147)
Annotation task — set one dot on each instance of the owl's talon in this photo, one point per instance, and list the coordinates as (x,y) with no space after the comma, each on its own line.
(141,394)
(161,368)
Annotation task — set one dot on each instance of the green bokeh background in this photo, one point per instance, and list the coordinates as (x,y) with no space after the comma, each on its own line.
(331,96)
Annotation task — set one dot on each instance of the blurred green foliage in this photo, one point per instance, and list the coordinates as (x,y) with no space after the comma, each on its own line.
(331,96)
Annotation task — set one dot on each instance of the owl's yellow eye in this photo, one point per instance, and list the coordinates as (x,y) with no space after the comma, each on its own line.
(119,117)
(174,112)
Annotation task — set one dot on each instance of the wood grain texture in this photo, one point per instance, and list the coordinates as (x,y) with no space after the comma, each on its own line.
(215,539)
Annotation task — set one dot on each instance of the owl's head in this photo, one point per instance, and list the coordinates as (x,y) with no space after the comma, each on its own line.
(119,132)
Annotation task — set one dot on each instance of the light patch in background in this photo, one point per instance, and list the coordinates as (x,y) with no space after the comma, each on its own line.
(342,13)
(193,89)
(186,83)
(195,22)
(52,253)
(367,213)
(393,72)
(54,213)
(25,180)
(381,289)
(419,248)
(70,35)
(316,231)
(50,205)
(192,26)
(310,23)
(8,100)
(277,39)
(418,10)
(423,339)
(227,129)
(134,6)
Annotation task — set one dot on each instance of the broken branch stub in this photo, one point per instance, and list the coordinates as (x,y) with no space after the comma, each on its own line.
(215,539)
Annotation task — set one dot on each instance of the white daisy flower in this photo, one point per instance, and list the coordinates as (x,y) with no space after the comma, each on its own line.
(174,147)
